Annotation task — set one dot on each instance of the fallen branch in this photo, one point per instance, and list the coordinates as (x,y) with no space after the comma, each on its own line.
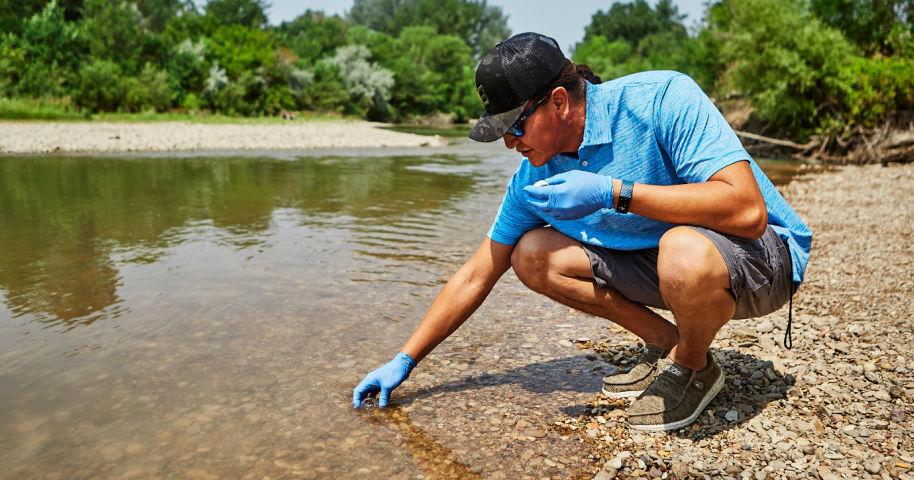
(775,141)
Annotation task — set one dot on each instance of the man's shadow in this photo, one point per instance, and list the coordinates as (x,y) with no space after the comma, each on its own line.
(579,373)
(750,384)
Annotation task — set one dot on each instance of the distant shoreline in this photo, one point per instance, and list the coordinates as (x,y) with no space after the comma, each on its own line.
(35,137)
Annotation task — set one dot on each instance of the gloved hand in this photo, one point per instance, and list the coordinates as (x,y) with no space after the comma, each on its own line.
(384,380)
(571,195)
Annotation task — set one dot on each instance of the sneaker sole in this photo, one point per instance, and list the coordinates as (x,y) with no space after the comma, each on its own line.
(664,427)
(628,394)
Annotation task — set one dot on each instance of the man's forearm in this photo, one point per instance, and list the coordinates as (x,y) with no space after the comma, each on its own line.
(717,204)
(459,298)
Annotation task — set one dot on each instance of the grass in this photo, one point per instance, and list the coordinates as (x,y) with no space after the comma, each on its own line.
(38,109)
(61,109)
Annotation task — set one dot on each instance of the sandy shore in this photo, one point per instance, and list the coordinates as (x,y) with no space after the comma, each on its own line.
(62,137)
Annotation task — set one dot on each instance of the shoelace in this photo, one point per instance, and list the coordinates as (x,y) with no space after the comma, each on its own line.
(788,337)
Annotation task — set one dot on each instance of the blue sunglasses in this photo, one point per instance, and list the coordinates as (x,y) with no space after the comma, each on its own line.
(518,128)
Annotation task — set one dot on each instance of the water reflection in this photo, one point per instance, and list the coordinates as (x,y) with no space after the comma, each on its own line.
(64,219)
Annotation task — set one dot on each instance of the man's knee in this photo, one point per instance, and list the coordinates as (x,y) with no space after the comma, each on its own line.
(689,262)
(530,258)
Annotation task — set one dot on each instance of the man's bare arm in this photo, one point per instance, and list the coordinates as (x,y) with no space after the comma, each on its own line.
(460,297)
(729,202)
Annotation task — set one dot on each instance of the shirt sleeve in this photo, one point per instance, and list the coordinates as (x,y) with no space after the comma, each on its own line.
(694,134)
(514,218)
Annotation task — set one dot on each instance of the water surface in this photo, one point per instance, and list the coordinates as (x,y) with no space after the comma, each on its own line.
(207,316)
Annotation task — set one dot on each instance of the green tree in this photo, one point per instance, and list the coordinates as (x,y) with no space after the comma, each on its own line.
(867,23)
(479,24)
(116,31)
(633,21)
(368,84)
(787,62)
(44,59)
(248,13)
(313,35)
(434,73)
(241,49)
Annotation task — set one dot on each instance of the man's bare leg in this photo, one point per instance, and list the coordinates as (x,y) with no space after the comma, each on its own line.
(694,283)
(555,265)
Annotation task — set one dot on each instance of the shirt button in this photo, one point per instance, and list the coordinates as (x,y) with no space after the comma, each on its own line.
(584,163)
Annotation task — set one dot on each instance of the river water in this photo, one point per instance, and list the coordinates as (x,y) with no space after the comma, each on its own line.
(206,316)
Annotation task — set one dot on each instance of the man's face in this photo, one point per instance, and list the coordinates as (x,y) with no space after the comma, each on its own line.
(540,141)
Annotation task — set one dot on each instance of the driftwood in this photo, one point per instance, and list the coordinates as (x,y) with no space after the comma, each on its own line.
(781,143)
(880,145)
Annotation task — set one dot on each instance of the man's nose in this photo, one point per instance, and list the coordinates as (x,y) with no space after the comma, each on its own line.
(510,140)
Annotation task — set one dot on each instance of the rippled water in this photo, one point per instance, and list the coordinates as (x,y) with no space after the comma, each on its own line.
(207,317)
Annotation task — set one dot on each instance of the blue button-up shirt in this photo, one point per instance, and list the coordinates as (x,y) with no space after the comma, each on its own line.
(655,128)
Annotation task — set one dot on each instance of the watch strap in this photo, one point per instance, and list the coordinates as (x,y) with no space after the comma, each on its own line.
(625,196)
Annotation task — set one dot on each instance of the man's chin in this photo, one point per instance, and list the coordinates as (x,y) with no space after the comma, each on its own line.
(537,160)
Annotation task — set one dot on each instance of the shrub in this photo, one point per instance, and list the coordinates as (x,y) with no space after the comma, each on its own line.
(100,87)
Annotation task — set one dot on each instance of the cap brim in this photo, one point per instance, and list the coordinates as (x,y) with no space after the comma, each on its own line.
(490,128)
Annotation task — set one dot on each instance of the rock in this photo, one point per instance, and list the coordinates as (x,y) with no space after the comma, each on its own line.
(809,450)
(619,460)
(607,473)
(733,469)
(765,326)
(872,466)
(732,416)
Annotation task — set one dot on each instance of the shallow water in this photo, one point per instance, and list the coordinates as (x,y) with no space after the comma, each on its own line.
(207,316)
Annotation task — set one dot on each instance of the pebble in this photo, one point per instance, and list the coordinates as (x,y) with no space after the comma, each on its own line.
(872,467)
(732,416)
(765,326)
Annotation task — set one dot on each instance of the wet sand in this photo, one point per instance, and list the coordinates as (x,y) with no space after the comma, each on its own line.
(98,137)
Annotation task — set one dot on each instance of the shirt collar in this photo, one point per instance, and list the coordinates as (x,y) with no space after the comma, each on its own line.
(597,123)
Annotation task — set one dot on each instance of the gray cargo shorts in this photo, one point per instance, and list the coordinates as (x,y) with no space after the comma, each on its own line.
(761,276)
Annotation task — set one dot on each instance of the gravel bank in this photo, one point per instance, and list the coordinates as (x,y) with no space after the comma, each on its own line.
(839,404)
(61,137)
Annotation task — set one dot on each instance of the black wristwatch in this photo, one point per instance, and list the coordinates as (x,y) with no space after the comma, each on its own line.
(625,196)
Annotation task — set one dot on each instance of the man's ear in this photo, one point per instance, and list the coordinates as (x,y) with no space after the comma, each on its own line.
(561,102)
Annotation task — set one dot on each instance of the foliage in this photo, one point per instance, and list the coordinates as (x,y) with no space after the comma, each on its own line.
(313,35)
(805,66)
(368,84)
(46,55)
(246,13)
(241,49)
(479,24)
(866,23)
(634,21)
(793,75)
(434,74)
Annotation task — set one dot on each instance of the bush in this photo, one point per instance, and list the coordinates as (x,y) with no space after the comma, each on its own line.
(788,63)
(100,87)
(368,84)
(150,90)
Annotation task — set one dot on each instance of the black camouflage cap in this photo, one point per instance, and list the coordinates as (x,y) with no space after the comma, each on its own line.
(513,72)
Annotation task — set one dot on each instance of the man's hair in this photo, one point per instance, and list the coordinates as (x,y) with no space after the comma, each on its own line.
(573,77)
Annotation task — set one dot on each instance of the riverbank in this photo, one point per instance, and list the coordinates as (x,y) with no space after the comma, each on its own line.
(837,405)
(515,392)
(115,137)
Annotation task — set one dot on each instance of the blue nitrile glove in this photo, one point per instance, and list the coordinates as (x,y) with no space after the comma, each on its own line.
(384,380)
(571,195)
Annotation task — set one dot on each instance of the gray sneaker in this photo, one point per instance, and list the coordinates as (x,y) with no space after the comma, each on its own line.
(631,383)
(676,398)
